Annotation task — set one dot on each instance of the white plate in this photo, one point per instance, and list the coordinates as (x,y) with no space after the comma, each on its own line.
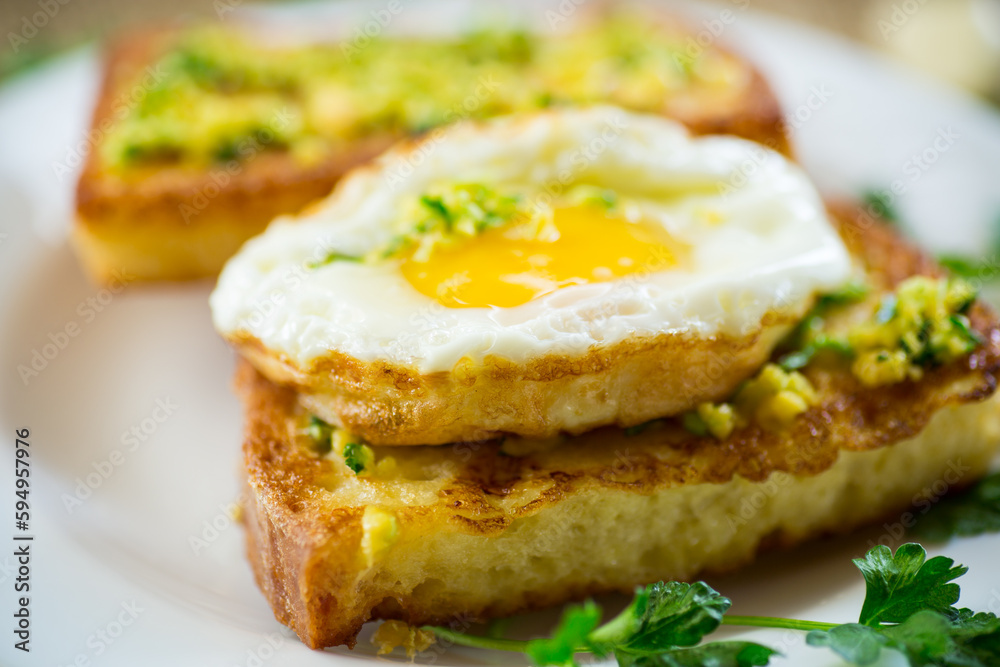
(129,544)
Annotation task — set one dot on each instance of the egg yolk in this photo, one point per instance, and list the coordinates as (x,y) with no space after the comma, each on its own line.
(496,268)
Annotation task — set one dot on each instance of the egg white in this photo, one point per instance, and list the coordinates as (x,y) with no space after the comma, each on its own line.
(766,246)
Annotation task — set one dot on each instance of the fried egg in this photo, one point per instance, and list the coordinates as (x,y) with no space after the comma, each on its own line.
(533,275)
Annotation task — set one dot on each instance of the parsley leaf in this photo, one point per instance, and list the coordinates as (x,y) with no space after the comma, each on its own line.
(923,638)
(900,585)
(978,636)
(855,643)
(655,629)
(926,639)
(570,637)
(909,607)
(664,616)
(973,512)
(715,654)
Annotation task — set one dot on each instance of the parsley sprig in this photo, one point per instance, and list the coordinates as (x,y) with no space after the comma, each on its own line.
(662,626)
(909,607)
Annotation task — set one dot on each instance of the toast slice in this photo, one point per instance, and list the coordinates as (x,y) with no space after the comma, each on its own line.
(473,530)
(165,211)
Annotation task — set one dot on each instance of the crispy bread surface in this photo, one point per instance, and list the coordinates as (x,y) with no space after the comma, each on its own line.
(478,533)
(631,382)
(175,221)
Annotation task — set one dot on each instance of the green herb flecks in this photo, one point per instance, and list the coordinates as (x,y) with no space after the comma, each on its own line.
(808,338)
(443,216)
(320,433)
(359,457)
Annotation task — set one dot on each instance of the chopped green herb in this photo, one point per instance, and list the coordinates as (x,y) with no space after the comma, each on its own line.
(438,209)
(320,432)
(216,82)
(358,456)
(807,331)
(922,324)
(441,217)
(334,257)
(960,323)
(448,213)
(693,423)
(593,195)
(852,292)
(801,358)
(798,359)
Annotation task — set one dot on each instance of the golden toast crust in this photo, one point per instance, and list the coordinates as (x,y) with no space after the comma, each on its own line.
(858,455)
(387,404)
